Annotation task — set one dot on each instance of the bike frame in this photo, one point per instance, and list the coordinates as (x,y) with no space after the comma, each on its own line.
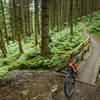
(74,65)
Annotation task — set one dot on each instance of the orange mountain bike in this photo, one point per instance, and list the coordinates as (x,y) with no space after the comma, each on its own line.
(69,84)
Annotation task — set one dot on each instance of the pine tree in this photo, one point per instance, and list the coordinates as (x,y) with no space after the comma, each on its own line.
(45,28)
(2,45)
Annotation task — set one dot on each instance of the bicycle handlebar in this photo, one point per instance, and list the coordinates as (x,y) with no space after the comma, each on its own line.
(65,60)
(70,60)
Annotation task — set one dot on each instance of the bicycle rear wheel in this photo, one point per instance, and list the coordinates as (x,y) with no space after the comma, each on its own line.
(69,85)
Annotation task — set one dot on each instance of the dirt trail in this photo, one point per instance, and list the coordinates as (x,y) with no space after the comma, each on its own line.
(28,85)
(90,65)
(25,46)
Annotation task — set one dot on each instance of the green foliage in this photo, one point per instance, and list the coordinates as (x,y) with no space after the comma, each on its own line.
(62,43)
(38,62)
(24,94)
(13,55)
(11,58)
(94,25)
(31,39)
(31,59)
(53,62)
(29,54)
(3,70)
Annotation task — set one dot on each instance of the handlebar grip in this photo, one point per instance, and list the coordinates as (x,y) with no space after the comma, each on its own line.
(70,60)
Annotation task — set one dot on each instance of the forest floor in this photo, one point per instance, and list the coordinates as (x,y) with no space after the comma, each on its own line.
(47,85)
(44,85)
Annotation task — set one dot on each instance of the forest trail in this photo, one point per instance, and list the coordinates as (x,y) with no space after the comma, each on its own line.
(48,85)
(88,69)
(25,46)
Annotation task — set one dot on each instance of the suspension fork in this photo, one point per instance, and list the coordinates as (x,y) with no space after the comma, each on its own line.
(71,71)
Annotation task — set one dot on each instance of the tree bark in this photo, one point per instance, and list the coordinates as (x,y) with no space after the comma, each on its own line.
(11,21)
(28,17)
(71,17)
(45,28)
(23,20)
(18,24)
(36,21)
(4,22)
(2,45)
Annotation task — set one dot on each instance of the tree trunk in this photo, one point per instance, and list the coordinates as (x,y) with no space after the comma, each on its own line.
(31,22)
(36,21)
(14,18)
(2,45)
(71,17)
(56,15)
(18,17)
(23,20)
(28,17)
(91,5)
(45,28)
(4,22)
(11,21)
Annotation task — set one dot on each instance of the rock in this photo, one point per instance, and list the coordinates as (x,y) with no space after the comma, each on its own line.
(54,88)
(49,97)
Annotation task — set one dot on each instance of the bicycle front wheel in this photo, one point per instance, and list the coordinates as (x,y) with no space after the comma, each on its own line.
(69,85)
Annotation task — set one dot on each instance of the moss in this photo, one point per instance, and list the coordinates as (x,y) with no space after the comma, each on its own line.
(24,94)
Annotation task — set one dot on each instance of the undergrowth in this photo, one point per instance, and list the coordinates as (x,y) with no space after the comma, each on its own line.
(94,25)
(61,43)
